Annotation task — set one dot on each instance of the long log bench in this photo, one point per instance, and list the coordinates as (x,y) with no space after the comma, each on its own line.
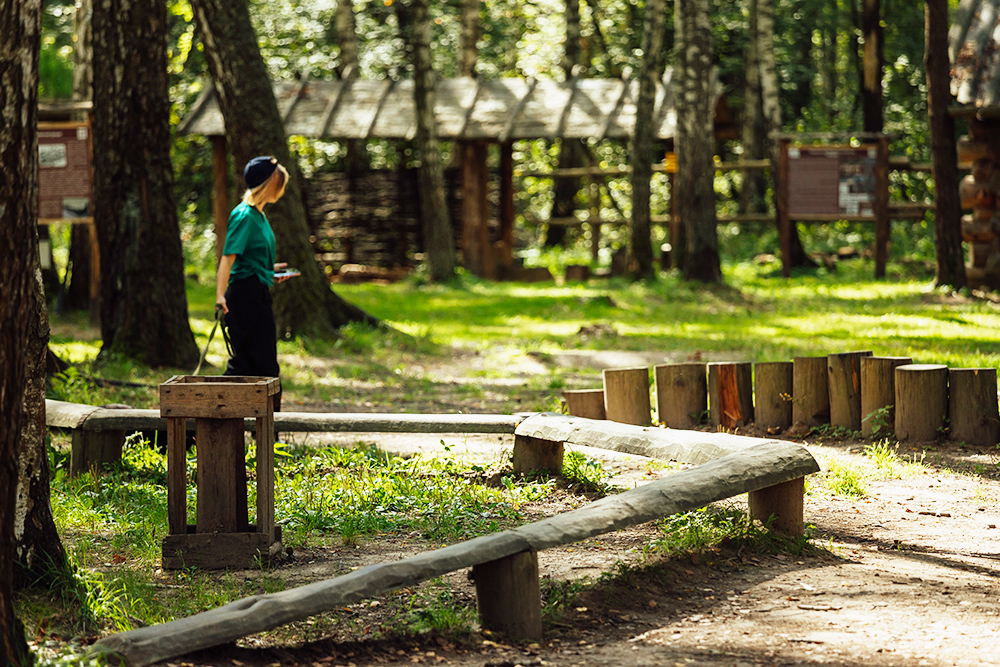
(505,565)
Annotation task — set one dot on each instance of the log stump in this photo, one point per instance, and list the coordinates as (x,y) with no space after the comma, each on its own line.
(577,273)
(508,595)
(972,406)
(730,393)
(878,394)
(782,505)
(844,378)
(587,403)
(810,391)
(681,394)
(921,401)
(773,394)
(626,396)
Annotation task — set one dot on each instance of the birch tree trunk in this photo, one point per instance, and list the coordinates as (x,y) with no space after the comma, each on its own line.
(254,127)
(20,24)
(947,209)
(439,240)
(144,311)
(695,189)
(643,141)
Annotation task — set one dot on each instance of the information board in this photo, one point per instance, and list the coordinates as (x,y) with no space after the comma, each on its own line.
(831,181)
(64,172)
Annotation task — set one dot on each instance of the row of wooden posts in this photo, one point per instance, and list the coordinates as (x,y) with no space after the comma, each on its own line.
(853,390)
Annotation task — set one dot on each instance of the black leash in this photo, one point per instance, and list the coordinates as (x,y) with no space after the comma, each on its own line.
(220,318)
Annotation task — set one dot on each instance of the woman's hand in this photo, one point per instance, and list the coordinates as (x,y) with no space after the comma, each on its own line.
(282,278)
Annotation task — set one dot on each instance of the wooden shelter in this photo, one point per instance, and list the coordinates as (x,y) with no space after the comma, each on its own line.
(974,50)
(476,113)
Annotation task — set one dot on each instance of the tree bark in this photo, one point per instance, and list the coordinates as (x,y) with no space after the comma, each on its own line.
(947,209)
(439,242)
(871,83)
(356,159)
(695,190)
(144,311)
(20,25)
(643,141)
(468,52)
(254,127)
(753,134)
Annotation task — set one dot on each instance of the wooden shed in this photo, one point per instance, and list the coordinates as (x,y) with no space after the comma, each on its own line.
(475,113)
(974,50)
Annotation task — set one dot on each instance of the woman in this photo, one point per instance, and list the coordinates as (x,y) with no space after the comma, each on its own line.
(246,271)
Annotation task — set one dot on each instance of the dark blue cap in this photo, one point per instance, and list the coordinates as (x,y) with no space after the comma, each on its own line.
(258,170)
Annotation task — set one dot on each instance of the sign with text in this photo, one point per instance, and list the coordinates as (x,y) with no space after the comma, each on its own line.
(64,172)
(831,181)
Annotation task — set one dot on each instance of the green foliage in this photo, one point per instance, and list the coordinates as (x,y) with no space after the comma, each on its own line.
(436,608)
(704,529)
(585,472)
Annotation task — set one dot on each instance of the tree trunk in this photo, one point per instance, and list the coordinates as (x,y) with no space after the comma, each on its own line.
(771,106)
(871,83)
(468,52)
(356,158)
(830,61)
(254,127)
(20,25)
(696,172)
(947,210)
(643,141)
(439,242)
(144,311)
(753,134)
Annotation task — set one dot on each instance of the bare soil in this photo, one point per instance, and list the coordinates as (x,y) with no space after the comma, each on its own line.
(905,576)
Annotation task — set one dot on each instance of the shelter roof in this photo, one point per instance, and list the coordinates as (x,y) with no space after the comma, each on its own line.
(466,108)
(974,51)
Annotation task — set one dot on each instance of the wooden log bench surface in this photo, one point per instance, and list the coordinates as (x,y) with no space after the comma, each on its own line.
(505,564)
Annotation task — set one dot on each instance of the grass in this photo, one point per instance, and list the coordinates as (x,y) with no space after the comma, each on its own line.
(851,477)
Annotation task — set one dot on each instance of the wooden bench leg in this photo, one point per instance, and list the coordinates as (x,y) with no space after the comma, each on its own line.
(508,595)
(535,454)
(782,501)
(92,449)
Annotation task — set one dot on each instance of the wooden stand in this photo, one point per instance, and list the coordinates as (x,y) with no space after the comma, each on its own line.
(681,394)
(773,394)
(587,403)
(810,391)
(222,537)
(921,401)
(972,405)
(730,393)
(508,595)
(878,392)
(844,378)
(626,395)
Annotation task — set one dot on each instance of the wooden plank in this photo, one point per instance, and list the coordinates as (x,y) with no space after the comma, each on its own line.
(176,477)
(222,476)
(215,551)
(265,475)
(764,465)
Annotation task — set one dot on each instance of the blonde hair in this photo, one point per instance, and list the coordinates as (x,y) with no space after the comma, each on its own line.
(268,191)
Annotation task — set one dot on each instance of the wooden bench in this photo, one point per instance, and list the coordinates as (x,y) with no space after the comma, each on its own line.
(505,565)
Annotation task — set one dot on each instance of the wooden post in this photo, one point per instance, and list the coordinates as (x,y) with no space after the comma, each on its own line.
(844,378)
(681,394)
(506,242)
(781,206)
(782,501)
(773,394)
(883,230)
(730,393)
(222,476)
(588,403)
(577,273)
(921,401)
(626,395)
(594,220)
(176,476)
(878,392)
(475,209)
(220,191)
(509,597)
(810,391)
(972,406)
(533,455)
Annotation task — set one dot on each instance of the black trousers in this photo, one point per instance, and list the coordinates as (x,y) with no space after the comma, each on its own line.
(252,331)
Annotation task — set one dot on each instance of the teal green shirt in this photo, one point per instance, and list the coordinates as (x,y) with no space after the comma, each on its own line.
(250,238)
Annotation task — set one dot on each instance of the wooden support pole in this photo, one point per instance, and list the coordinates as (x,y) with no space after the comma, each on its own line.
(773,394)
(626,395)
(844,378)
(972,406)
(883,230)
(588,403)
(92,450)
(921,401)
(878,394)
(176,476)
(508,595)
(532,455)
(477,251)
(681,394)
(782,207)
(784,502)
(730,393)
(810,391)
(222,476)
